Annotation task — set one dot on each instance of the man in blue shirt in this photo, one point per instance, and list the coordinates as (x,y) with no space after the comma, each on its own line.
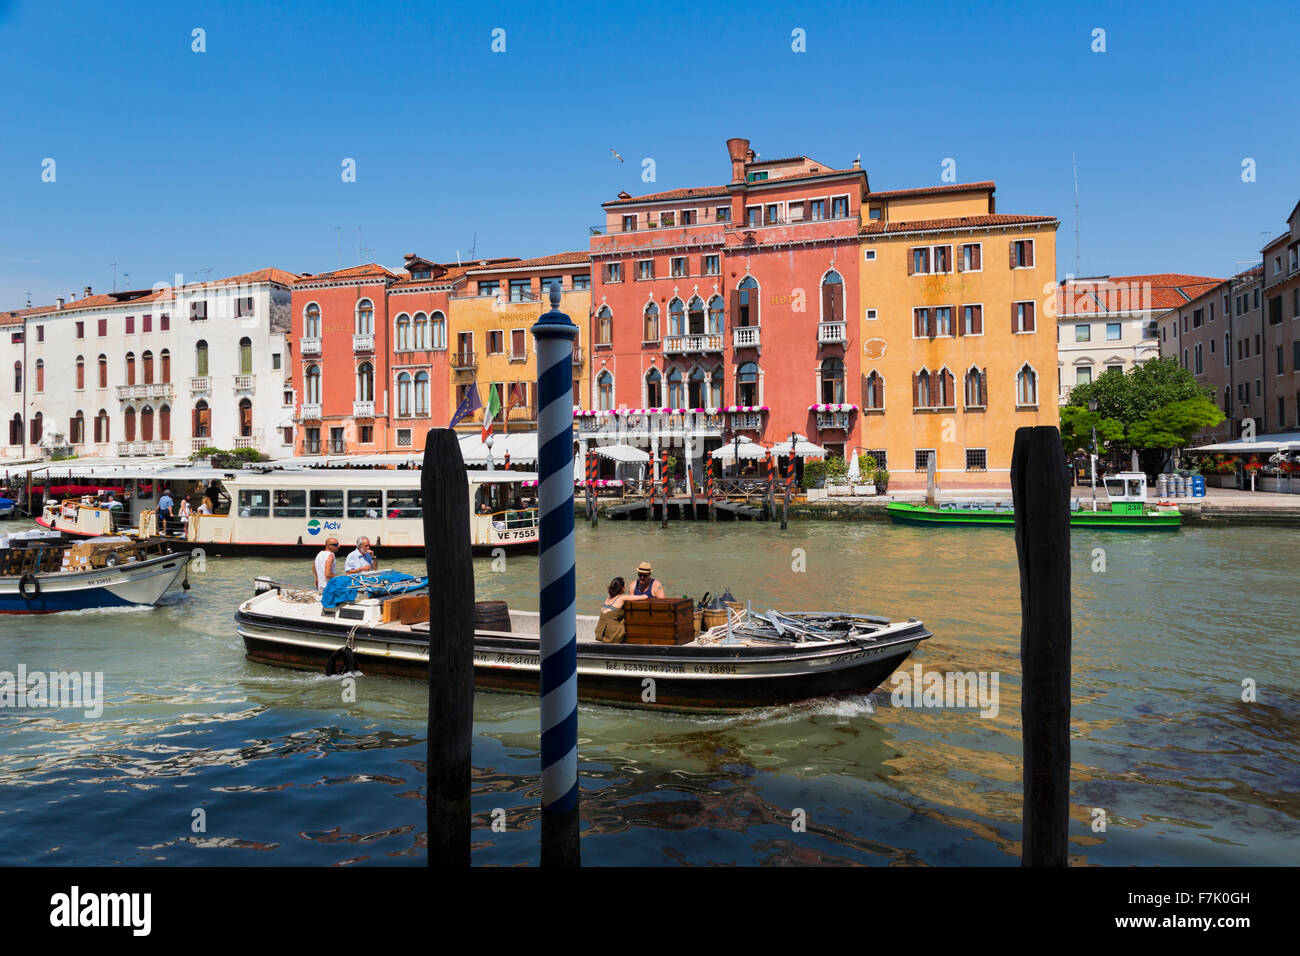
(362,559)
(165,505)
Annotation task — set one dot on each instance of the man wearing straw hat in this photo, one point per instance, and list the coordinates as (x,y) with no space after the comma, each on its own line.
(645,584)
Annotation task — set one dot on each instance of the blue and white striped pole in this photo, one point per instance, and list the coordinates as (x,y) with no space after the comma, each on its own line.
(553,336)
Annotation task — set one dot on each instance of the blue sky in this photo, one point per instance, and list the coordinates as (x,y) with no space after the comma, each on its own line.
(229,160)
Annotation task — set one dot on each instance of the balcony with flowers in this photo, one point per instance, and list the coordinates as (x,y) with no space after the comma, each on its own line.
(832,417)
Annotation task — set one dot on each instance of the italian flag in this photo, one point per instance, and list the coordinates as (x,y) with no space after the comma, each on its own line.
(490,412)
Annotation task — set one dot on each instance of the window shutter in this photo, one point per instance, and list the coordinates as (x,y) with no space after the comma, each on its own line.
(977,320)
(1029,252)
(1029,316)
(828,302)
(1011,254)
(961,258)
(916,390)
(911,261)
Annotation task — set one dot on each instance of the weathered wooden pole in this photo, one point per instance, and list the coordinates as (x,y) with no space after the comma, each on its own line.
(931,491)
(770,497)
(1040,486)
(553,335)
(789,485)
(444,500)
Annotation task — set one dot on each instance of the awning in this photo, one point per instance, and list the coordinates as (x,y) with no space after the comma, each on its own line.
(803,448)
(1262,445)
(747,448)
(623,454)
(521,447)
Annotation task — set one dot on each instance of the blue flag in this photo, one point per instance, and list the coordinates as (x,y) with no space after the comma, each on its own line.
(468,405)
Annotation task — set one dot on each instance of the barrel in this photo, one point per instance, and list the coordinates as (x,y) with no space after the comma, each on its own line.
(714,618)
(491,616)
(1162,485)
(699,620)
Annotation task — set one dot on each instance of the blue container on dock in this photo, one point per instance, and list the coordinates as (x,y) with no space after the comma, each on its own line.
(1198,486)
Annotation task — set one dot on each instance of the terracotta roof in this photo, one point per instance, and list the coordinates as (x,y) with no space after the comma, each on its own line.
(258,275)
(370,269)
(453,273)
(692,192)
(931,190)
(954,222)
(1112,294)
(556,259)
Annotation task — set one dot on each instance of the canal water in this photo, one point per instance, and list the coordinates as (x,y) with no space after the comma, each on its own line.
(201,757)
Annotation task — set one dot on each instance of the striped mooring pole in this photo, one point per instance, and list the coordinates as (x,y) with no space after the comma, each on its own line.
(553,336)
(708,487)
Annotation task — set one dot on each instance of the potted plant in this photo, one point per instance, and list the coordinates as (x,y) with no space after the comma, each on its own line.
(882,481)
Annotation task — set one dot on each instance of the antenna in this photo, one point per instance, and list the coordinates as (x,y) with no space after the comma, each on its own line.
(1078,270)
(472,247)
(338,242)
(114,265)
(29,298)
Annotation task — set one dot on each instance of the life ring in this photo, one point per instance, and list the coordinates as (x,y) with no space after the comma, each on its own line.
(341,654)
(35,590)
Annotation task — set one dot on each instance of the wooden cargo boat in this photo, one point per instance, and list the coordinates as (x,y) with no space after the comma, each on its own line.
(390,636)
(1127,510)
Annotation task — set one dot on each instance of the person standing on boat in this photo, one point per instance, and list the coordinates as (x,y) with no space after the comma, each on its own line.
(362,559)
(324,568)
(611,629)
(165,505)
(646,586)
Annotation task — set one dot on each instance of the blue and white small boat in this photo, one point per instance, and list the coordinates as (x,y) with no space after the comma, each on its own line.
(6,507)
(43,573)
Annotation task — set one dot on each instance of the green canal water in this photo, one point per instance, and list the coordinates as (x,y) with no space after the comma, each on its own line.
(284,772)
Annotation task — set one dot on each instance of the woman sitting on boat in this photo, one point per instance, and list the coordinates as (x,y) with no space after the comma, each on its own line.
(610,629)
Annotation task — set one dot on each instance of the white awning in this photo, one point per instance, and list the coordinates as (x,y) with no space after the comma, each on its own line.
(747,449)
(521,447)
(803,448)
(1262,445)
(623,454)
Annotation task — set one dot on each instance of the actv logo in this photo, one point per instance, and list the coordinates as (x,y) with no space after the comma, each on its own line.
(315,526)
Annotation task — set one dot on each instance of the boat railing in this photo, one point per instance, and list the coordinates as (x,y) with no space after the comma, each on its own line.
(515,518)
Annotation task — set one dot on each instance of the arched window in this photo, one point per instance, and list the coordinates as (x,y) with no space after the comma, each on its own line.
(103,372)
(81,372)
(832,380)
(747,384)
(16,429)
(873,391)
(697,392)
(165,423)
(101,427)
(202,424)
(420,328)
(18,384)
(421,393)
(38,428)
(676,389)
(365,382)
(130,372)
(200,358)
(715,315)
(695,316)
(245,356)
(40,375)
(311,321)
(715,387)
(676,317)
(605,390)
(654,389)
(77,429)
(974,390)
(165,361)
(745,310)
(365,317)
(313,385)
(146,423)
(650,330)
(402,341)
(404,393)
(941,384)
(438,331)
(832,297)
(245,418)
(604,326)
(1026,386)
(128,424)
(921,390)
(146,367)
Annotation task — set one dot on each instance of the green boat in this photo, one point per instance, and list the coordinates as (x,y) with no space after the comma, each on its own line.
(1126,510)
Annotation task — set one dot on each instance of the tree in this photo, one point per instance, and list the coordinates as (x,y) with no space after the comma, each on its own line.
(1077,425)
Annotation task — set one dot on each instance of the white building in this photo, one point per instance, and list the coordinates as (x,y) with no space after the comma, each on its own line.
(161,371)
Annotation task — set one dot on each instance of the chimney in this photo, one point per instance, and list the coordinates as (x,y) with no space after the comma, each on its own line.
(87,292)
(857,163)
(739,151)
(59,300)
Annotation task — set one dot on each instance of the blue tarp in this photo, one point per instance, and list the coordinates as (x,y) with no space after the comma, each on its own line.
(354,587)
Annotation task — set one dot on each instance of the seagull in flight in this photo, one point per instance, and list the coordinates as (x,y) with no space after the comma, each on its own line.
(614,153)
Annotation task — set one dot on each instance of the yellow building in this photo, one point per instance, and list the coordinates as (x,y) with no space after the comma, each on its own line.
(958,334)
(489,342)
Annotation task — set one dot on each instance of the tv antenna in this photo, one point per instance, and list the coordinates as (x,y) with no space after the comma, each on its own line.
(114,265)
(1078,270)
(472,247)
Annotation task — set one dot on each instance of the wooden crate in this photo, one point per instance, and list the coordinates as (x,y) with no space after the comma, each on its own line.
(660,621)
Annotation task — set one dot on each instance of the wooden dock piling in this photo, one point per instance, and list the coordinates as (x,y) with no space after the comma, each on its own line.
(444,496)
(1040,484)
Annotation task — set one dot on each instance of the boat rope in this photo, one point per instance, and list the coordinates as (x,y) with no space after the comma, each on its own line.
(351,643)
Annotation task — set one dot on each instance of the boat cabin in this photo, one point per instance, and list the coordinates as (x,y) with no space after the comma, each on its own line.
(1127,491)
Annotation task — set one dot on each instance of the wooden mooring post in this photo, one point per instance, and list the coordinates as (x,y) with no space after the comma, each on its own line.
(708,490)
(1040,486)
(789,485)
(444,496)
(664,472)
(593,505)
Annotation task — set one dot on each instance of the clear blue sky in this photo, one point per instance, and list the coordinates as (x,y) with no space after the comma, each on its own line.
(229,160)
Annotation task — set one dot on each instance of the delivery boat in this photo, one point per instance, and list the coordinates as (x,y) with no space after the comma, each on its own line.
(42,572)
(379,624)
(1128,510)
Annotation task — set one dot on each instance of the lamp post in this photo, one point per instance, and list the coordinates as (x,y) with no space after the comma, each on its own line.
(1092,407)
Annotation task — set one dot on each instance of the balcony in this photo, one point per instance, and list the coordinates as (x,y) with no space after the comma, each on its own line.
(363,409)
(134,449)
(160,447)
(244,383)
(520,356)
(198,444)
(155,390)
(200,385)
(464,361)
(310,412)
(745,337)
(577,355)
(832,333)
(363,343)
(747,421)
(688,344)
(246,441)
(833,420)
(631,425)
(309,346)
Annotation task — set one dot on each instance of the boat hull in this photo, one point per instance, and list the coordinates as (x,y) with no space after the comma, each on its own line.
(902,513)
(698,679)
(126,585)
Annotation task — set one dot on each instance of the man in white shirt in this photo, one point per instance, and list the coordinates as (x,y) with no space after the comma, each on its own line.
(324,568)
(362,559)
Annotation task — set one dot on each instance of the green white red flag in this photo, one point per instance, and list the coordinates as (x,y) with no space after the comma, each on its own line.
(490,411)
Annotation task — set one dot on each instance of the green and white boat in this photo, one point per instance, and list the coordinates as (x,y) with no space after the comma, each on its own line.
(1126,509)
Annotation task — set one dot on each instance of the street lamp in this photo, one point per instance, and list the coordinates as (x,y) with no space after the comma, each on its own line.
(1092,407)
